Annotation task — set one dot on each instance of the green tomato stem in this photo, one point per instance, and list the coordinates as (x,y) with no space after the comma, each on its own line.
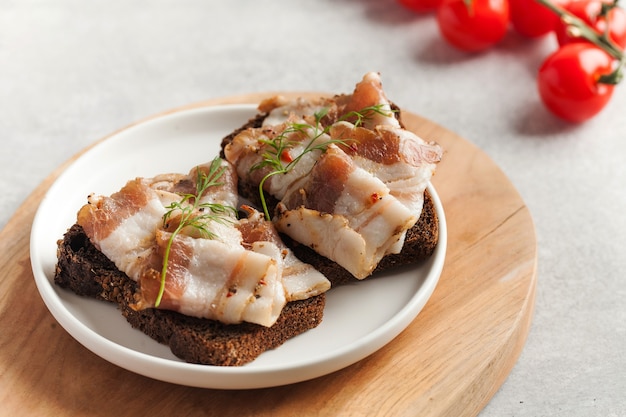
(602,41)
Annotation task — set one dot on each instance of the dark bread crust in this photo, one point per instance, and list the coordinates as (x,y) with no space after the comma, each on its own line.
(420,242)
(86,271)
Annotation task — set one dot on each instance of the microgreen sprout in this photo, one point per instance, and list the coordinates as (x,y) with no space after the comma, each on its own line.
(195,214)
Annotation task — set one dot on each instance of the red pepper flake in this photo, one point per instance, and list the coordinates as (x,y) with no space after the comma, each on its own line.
(375,197)
(262,282)
(285,156)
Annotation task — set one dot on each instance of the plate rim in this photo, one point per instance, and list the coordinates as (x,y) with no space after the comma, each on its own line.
(229,377)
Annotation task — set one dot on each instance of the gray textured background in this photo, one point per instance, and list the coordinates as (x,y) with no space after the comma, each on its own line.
(73,71)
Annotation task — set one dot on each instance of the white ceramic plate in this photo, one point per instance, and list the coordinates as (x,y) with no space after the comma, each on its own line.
(358,320)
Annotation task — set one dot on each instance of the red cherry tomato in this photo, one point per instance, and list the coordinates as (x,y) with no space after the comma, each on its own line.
(532,19)
(420,6)
(475,25)
(568,81)
(589,12)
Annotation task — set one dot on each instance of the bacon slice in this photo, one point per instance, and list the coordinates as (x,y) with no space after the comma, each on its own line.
(344,213)
(122,226)
(301,280)
(368,93)
(215,280)
(403,161)
(281,110)
(250,148)
(230,277)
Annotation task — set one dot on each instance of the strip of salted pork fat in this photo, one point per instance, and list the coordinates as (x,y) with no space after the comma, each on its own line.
(249,149)
(403,161)
(212,277)
(300,280)
(344,213)
(367,94)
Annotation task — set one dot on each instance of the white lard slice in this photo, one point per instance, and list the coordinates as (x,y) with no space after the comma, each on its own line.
(301,280)
(366,223)
(230,284)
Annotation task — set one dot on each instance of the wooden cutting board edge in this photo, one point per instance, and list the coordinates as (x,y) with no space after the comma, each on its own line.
(465,399)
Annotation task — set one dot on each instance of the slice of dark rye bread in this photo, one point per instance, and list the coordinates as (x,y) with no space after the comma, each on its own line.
(88,272)
(420,242)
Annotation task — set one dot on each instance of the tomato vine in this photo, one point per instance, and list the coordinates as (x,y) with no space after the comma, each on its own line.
(575,82)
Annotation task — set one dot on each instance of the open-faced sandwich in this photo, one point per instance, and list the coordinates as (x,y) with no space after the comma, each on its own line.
(339,193)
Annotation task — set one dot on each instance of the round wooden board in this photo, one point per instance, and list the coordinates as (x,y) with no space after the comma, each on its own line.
(448,362)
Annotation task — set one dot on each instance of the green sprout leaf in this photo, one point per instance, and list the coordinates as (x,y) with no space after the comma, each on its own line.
(195,215)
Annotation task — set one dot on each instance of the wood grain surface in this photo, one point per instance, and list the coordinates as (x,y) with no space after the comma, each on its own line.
(448,362)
